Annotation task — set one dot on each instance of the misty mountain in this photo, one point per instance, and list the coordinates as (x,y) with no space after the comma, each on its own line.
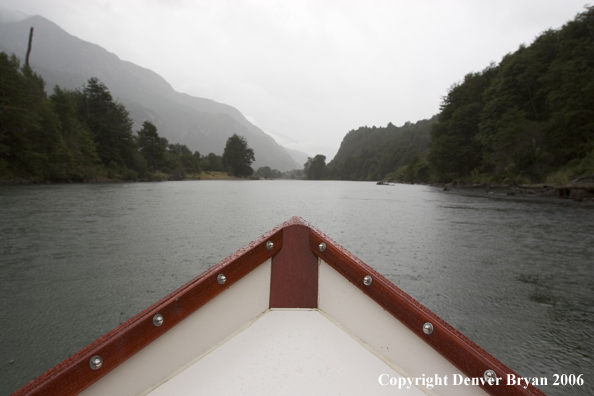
(299,156)
(202,124)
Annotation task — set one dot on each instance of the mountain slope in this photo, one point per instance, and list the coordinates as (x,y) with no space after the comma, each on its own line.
(299,156)
(201,124)
(372,153)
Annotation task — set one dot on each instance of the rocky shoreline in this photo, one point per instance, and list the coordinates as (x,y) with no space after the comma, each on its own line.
(580,189)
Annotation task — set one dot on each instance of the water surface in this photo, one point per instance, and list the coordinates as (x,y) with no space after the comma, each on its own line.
(514,274)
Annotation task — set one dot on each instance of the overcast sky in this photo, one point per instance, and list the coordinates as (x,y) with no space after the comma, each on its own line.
(307,72)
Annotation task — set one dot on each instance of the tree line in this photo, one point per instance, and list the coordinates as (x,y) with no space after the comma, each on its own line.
(84,134)
(529,118)
(372,153)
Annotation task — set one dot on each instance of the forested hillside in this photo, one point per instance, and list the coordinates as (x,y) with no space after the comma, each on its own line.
(82,134)
(199,123)
(372,153)
(529,118)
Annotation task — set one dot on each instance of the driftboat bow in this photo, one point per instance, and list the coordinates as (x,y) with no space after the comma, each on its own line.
(290,313)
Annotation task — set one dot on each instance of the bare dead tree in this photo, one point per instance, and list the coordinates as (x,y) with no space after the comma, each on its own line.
(29,46)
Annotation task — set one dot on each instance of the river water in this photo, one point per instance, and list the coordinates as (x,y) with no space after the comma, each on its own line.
(514,274)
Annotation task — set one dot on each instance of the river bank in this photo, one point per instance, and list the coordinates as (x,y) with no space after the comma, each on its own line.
(581,189)
(157,177)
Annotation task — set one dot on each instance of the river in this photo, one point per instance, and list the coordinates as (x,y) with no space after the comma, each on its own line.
(514,274)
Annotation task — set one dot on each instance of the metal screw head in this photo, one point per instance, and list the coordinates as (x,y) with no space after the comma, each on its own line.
(158,320)
(367,280)
(96,362)
(427,328)
(490,376)
(322,246)
(221,279)
(269,245)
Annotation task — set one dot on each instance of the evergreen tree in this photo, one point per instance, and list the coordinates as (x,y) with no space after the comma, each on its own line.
(528,118)
(315,168)
(110,124)
(188,161)
(20,120)
(373,153)
(238,156)
(265,172)
(151,146)
(82,158)
(454,148)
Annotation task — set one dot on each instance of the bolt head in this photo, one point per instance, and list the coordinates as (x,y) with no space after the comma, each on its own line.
(490,376)
(322,246)
(221,279)
(427,328)
(96,362)
(269,245)
(367,280)
(158,320)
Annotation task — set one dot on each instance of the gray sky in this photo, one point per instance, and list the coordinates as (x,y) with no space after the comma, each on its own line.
(307,72)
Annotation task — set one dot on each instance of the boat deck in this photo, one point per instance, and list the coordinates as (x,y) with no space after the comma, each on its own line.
(286,352)
(291,313)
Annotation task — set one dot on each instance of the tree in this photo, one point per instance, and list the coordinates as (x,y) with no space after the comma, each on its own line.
(151,146)
(212,163)
(373,153)
(455,150)
(21,100)
(109,122)
(82,158)
(238,156)
(265,172)
(315,168)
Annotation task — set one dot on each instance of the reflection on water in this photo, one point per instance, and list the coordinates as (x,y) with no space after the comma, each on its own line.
(514,274)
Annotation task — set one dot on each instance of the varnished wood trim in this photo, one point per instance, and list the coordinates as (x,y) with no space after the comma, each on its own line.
(74,374)
(471,359)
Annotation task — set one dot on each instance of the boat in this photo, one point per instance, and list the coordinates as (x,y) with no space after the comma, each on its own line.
(292,312)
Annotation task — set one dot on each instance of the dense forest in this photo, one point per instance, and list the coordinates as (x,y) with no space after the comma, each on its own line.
(85,135)
(529,118)
(372,153)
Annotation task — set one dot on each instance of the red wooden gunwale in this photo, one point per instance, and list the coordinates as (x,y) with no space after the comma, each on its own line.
(294,282)
(467,356)
(74,374)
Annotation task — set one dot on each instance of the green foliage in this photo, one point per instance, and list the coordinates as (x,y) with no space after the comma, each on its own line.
(20,119)
(212,163)
(151,146)
(372,153)
(455,151)
(109,122)
(267,173)
(529,118)
(81,157)
(78,135)
(573,169)
(315,168)
(238,156)
(191,162)
(416,171)
(264,172)
(40,137)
